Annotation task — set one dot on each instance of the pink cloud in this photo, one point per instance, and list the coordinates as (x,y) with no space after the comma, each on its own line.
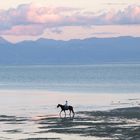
(31,19)
(24,30)
(130,15)
(42,15)
(134,13)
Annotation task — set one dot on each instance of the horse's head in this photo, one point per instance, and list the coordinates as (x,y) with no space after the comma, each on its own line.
(58,105)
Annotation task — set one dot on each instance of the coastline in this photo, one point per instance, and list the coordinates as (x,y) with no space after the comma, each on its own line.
(32,115)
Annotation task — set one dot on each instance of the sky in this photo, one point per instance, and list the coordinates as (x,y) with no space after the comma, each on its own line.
(68,19)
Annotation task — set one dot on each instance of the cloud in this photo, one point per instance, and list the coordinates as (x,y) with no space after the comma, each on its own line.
(32,30)
(119,3)
(130,15)
(31,19)
(105,33)
(56,30)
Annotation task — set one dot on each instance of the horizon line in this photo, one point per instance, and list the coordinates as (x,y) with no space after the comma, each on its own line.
(67,40)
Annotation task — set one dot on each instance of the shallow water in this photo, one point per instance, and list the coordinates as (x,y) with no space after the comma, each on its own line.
(32,103)
(85,126)
(24,108)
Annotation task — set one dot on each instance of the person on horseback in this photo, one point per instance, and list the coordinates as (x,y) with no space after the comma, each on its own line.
(64,108)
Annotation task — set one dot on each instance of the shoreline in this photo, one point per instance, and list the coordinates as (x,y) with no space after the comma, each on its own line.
(32,115)
(42,101)
(76,98)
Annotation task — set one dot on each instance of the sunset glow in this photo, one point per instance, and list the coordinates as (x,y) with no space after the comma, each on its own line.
(59,19)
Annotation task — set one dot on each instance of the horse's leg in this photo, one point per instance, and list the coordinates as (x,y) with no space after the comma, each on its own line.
(73,112)
(60,113)
(65,113)
(70,113)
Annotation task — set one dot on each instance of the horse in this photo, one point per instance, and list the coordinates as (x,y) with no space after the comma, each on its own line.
(64,108)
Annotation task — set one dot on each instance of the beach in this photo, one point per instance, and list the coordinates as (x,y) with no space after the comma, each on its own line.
(105,98)
(33,115)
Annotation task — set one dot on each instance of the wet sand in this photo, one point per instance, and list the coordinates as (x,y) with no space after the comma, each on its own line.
(116,124)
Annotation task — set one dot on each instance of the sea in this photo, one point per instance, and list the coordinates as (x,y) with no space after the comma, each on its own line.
(29,89)
(102,78)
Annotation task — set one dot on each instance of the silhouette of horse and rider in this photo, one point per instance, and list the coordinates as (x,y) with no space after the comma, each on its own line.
(66,107)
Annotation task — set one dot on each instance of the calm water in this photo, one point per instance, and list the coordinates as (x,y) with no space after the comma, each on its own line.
(106,78)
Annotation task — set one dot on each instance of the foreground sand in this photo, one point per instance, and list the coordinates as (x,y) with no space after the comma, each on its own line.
(117,124)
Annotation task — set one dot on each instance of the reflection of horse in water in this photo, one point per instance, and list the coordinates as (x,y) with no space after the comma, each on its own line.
(64,108)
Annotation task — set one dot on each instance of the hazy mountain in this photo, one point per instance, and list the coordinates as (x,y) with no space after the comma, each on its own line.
(4,42)
(87,51)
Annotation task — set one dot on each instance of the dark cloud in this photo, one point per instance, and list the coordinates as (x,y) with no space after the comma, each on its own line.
(56,30)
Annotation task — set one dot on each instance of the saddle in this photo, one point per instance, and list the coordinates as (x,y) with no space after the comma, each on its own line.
(66,107)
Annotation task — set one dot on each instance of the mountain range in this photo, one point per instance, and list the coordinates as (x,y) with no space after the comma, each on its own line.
(75,51)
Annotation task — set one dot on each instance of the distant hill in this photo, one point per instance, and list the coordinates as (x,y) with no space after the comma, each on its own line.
(4,42)
(76,51)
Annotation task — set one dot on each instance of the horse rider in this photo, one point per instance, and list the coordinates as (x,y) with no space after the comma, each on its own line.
(66,104)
